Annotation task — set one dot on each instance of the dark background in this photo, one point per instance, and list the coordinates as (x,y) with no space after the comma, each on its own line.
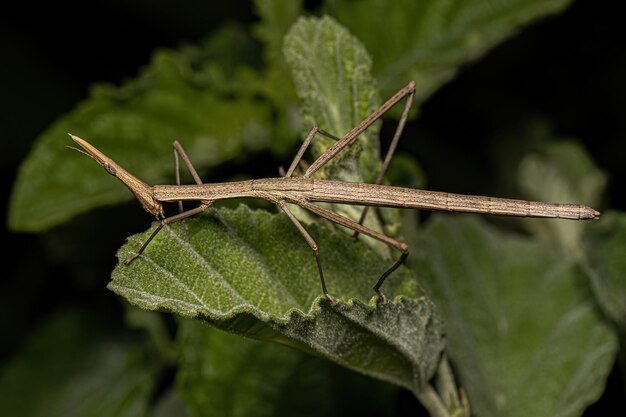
(568,71)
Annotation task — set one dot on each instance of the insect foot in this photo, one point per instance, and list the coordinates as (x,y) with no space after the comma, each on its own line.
(381,298)
(331,299)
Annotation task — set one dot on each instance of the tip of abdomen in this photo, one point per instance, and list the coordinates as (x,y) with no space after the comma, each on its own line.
(588,213)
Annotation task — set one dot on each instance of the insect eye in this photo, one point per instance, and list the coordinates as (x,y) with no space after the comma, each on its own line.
(109,168)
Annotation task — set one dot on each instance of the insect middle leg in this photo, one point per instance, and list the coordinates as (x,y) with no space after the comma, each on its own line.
(392,147)
(343,221)
(351,137)
(307,237)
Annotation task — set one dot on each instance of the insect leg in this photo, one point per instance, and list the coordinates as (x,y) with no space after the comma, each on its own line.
(312,244)
(305,145)
(344,221)
(350,137)
(169,220)
(178,150)
(392,148)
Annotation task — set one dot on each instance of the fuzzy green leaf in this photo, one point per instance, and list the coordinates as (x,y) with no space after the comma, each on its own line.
(223,374)
(251,273)
(180,95)
(428,40)
(523,333)
(332,73)
(73,367)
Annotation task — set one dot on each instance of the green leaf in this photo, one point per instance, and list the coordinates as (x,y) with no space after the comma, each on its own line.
(277,16)
(331,71)
(180,95)
(428,40)
(605,246)
(560,171)
(524,335)
(169,405)
(72,367)
(251,273)
(223,374)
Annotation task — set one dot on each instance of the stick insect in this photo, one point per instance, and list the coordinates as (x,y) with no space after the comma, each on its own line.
(304,190)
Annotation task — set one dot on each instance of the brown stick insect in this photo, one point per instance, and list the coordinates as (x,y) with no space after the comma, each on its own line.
(304,190)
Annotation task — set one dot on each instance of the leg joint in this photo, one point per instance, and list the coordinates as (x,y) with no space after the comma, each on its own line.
(404,248)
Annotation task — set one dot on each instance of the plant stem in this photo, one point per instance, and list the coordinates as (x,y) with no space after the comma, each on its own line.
(431,401)
(454,399)
(446,386)
(447,400)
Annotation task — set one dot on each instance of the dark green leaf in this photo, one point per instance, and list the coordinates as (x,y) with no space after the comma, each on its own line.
(277,16)
(169,405)
(605,249)
(180,95)
(523,332)
(428,40)
(250,272)
(222,374)
(74,367)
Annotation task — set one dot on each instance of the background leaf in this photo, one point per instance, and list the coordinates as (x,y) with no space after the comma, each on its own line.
(74,367)
(429,40)
(276,18)
(516,312)
(178,96)
(223,374)
(560,171)
(605,247)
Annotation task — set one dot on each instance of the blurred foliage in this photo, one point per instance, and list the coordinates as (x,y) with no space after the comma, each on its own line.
(74,366)
(525,333)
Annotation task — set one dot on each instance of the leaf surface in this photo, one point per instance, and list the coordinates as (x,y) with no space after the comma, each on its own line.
(331,71)
(523,332)
(332,74)
(223,374)
(251,273)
